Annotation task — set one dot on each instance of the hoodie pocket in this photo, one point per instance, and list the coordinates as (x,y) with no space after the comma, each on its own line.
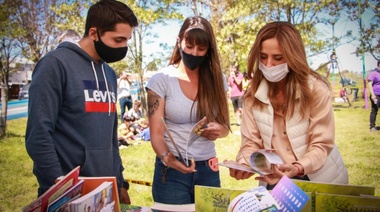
(98,162)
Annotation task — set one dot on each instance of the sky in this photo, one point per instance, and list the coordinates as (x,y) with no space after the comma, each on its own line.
(345,53)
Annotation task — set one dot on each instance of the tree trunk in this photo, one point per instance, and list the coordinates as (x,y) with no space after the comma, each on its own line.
(4,109)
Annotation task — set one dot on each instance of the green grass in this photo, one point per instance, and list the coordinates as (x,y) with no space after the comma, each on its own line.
(359,147)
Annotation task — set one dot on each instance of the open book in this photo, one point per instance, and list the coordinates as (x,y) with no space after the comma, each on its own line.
(61,202)
(97,199)
(55,191)
(193,136)
(259,162)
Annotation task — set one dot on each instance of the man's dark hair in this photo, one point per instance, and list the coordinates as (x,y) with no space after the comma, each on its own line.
(378,63)
(105,14)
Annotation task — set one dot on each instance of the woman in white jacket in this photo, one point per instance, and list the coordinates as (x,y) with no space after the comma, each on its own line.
(288,108)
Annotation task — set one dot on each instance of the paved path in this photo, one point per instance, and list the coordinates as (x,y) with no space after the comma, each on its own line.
(17,109)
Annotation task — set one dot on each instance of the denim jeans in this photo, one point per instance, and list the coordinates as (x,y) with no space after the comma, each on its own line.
(374,110)
(124,102)
(177,188)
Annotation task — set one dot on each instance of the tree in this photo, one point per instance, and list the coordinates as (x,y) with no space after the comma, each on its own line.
(8,53)
(71,15)
(149,13)
(368,40)
(236,23)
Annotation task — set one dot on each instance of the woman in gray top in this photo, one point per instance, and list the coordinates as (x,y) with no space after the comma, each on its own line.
(190,88)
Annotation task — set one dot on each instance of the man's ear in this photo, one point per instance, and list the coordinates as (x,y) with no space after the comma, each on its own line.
(92,33)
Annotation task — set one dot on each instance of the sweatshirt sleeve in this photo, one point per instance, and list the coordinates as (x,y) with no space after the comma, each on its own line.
(45,98)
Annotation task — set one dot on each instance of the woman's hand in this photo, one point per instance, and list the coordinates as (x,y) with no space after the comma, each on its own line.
(289,170)
(212,131)
(124,198)
(239,174)
(273,178)
(172,162)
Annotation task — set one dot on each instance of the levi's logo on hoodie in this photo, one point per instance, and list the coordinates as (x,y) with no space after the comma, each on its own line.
(98,100)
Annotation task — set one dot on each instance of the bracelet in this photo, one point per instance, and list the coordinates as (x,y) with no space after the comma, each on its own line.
(299,170)
(162,158)
(164,155)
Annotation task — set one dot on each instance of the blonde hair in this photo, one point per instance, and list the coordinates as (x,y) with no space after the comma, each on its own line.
(293,51)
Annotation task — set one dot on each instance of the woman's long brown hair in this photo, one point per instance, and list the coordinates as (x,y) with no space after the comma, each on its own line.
(212,100)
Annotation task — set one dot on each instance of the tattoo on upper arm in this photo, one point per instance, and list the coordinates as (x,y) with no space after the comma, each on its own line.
(153,102)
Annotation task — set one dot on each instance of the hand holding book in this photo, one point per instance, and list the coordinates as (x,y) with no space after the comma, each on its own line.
(260,162)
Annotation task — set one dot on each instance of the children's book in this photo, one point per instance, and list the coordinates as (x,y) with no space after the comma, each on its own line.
(260,162)
(289,196)
(348,197)
(330,188)
(109,207)
(333,202)
(214,199)
(257,199)
(60,187)
(196,131)
(95,200)
(91,183)
(73,192)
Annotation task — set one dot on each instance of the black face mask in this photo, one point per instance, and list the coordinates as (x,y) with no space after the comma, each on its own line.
(192,62)
(107,53)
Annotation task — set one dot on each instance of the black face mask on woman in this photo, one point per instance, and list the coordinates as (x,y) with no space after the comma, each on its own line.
(192,62)
(109,54)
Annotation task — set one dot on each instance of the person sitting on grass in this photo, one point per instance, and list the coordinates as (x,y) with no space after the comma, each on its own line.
(145,130)
(125,131)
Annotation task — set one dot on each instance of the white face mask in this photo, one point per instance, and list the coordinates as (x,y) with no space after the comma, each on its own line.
(275,73)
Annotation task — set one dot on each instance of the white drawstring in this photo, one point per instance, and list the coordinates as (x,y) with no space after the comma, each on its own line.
(96,76)
(109,96)
(97,85)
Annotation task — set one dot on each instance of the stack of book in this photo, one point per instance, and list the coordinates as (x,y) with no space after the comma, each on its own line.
(74,193)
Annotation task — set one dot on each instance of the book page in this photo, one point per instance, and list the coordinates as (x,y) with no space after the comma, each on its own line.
(261,162)
(66,197)
(235,165)
(257,199)
(193,136)
(263,159)
(96,199)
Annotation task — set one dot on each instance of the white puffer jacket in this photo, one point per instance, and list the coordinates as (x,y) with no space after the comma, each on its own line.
(333,171)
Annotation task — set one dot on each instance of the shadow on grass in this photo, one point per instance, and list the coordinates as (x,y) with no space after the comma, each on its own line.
(13,135)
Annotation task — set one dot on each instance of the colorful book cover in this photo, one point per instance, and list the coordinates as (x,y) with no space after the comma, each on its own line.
(60,187)
(74,191)
(330,188)
(260,162)
(91,183)
(95,200)
(353,191)
(214,199)
(335,202)
(257,199)
(289,196)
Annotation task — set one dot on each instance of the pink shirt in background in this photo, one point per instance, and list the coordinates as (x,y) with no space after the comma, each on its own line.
(236,89)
